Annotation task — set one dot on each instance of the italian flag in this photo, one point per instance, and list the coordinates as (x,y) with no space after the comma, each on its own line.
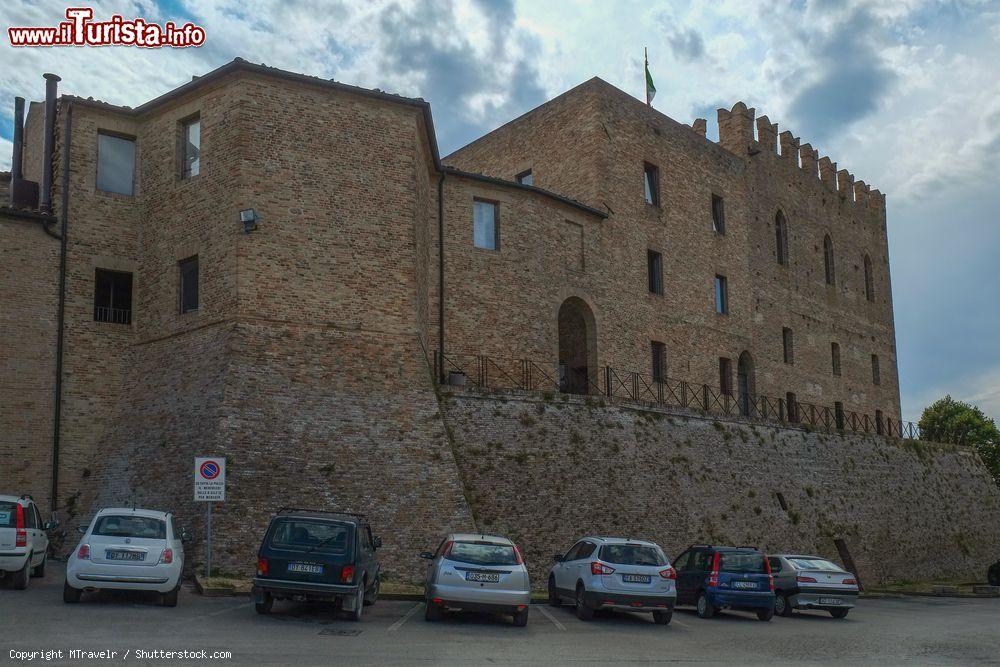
(650,88)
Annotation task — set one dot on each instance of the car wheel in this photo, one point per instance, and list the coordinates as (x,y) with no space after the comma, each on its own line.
(554,598)
(993,574)
(583,612)
(432,612)
(371,596)
(20,580)
(170,599)
(782,605)
(359,604)
(705,608)
(521,618)
(765,614)
(70,594)
(265,605)
(839,613)
(39,570)
(662,617)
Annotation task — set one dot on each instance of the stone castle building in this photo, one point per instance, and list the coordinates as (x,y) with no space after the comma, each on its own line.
(266,266)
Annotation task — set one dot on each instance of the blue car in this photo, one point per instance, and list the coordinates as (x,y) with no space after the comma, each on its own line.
(713,578)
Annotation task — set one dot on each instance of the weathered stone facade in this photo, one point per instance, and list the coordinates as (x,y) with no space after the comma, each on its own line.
(309,360)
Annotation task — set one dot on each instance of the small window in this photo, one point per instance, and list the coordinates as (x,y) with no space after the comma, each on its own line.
(586,549)
(879,428)
(657,351)
(876,373)
(112,296)
(781,238)
(189,284)
(718,215)
(654,263)
(191,148)
(869,279)
(651,181)
(525,178)
(721,295)
(839,416)
(835,358)
(788,344)
(485,231)
(725,376)
(792,407)
(115,164)
(828,261)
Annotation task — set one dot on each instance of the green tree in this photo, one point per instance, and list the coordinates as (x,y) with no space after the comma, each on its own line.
(951,421)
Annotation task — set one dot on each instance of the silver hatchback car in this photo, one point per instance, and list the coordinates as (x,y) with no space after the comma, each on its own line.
(811,582)
(614,573)
(474,572)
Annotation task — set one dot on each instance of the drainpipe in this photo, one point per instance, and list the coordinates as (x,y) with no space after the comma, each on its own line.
(67,144)
(48,142)
(440,368)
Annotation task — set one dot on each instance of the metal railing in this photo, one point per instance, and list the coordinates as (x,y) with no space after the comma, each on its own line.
(112,315)
(485,372)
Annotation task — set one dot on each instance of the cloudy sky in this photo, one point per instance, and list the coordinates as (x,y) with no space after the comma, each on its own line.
(903,93)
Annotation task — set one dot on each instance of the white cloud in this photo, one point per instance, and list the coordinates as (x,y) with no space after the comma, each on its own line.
(6,150)
(980,388)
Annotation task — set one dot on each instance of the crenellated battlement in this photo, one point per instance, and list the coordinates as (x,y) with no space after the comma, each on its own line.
(736,134)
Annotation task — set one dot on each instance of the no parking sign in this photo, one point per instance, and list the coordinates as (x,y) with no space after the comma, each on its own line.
(210,479)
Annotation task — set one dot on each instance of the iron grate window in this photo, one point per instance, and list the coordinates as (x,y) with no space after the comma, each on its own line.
(726,376)
(657,351)
(654,265)
(112,296)
(189,284)
(788,344)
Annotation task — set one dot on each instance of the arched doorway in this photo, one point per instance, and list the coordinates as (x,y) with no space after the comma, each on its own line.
(745,382)
(577,347)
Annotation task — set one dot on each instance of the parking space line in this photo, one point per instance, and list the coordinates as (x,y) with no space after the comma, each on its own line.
(548,614)
(398,624)
(674,621)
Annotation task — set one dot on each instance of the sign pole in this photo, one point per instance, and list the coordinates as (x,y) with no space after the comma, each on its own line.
(208,543)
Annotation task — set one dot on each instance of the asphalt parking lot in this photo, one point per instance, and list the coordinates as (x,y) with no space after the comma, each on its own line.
(883,631)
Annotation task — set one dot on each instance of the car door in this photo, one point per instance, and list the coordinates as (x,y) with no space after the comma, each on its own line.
(565,571)
(681,565)
(41,537)
(31,527)
(582,563)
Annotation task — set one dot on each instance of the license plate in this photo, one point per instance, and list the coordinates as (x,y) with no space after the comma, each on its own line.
(745,585)
(831,601)
(305,568)
(636,578)
(484,577)
(125,555)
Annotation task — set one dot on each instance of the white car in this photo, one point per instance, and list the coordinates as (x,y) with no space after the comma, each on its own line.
(24,545)
(127,549)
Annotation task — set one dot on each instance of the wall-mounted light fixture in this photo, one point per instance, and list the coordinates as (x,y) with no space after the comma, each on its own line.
(249,218)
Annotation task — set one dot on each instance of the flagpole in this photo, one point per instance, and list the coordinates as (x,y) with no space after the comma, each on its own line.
(645,68)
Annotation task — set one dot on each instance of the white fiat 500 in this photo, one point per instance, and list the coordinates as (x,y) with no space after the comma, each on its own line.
(127,549)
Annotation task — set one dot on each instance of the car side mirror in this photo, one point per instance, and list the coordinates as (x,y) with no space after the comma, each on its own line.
(557,558)
(82,530)
(185,535)
(427,555)
(377,542)
(50,525)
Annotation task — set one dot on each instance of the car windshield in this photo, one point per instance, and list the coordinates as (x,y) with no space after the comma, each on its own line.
(741,562)
(814,564)
(131,526)
(482,553)
(8,515)
(632,554)
(322,537)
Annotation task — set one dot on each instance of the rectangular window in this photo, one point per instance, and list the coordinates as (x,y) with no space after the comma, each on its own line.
(657,349)
(189,284)
(835,358)
(485,231)
(115,164)
(651,181)
(525,178)
(718,215)
(876,373)
(721,295)
(788,344)
(112,296)
(839,416)
(879,428)
(191,148)
(654,262)
(725,376)
(791,407)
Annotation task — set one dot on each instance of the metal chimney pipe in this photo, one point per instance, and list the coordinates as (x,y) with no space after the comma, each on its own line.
(16,172)
(48,145)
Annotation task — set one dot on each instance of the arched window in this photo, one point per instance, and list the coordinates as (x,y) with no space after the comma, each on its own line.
(869,280)
(781,238)
(831,271)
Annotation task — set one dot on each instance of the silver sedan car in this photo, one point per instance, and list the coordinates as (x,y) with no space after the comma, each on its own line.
(474,572)
(811,582)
